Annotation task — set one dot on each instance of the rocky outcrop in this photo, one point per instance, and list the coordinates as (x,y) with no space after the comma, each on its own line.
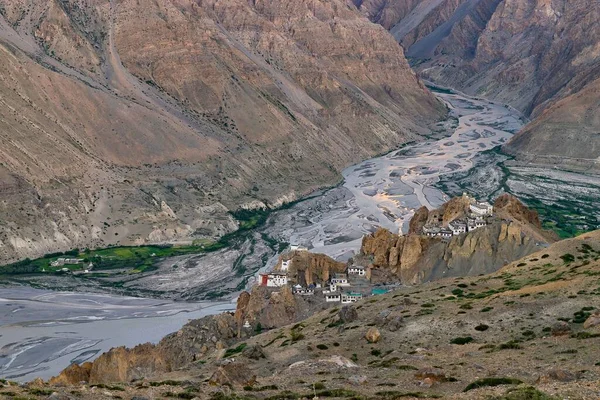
(132,122)
(513,233)
(267,308)
(197,340)
(308,268)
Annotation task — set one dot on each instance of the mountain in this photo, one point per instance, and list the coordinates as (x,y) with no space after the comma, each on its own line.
(541,57)
(489,336)
(128,122)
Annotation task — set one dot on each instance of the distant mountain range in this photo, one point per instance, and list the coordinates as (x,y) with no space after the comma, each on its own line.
(540,56)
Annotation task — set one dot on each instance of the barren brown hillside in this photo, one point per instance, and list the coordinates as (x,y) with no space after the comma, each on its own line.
(132,122)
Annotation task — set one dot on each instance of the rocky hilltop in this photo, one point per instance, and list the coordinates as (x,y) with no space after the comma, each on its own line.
(134,122)
(528,331)
(539,56)
(512,233)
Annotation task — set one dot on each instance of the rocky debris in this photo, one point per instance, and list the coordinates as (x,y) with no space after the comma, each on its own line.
(254,352)
(357,380)
(593,321)
(390,320)
(347,314)
(431,375)
(233,374)
(373,335)
(561,328)
(510,207)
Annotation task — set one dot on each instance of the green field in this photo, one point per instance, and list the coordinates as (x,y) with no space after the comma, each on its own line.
(135,258)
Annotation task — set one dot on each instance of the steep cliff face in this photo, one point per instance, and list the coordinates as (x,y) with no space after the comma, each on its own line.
(129,122)
(310,268)
(539,56)
(514,233)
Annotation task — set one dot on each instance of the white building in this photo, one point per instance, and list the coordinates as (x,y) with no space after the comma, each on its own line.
(297,247)
(340,280)
(333,298)
(357,270)
(350,297)
(285,264)
(303,291)
(457,227)
(484,208)
(273,279)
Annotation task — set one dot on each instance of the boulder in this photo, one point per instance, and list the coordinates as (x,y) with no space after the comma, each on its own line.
(347,314)
(431,375)
(558,375)
(373,335)
(233,374)
(254,352)
(560,328)
(593,321)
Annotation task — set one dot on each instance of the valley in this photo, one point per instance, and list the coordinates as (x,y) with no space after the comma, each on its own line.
(384,191)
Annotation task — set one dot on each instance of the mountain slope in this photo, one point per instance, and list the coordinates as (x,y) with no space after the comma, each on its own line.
(542,57)
(532,326)
(129,123)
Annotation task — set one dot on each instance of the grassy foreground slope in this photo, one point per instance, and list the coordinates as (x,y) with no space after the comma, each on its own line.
(525,332)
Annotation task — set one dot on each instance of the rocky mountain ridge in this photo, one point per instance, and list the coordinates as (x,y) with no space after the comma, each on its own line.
(514,232)
(539,56)
(132,123)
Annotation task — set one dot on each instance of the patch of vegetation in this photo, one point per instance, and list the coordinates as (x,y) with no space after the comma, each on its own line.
(462,340)
(427,305)
(322,347)
(487,382)
(582,315)
(510,345)
(482,327)
(354,357)
(319,386)
(466,306)
(108,387)
(40,392)
(525,393)
(376,352)
(166,383)
(181,395)
(568,258)
(585,335)
(486,309)
(238,349)
(394,394)
(260,388)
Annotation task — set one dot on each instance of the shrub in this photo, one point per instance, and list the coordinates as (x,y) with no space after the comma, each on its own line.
(568,258)
(319,386)
(235,350)
(466,306)
(462,340)
(545,255)
(526,393)
(482,327)
(485,382)
(322,347)
(376,352)
(511,345)
(486,309)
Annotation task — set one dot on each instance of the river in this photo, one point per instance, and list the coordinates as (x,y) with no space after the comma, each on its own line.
(42,332)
